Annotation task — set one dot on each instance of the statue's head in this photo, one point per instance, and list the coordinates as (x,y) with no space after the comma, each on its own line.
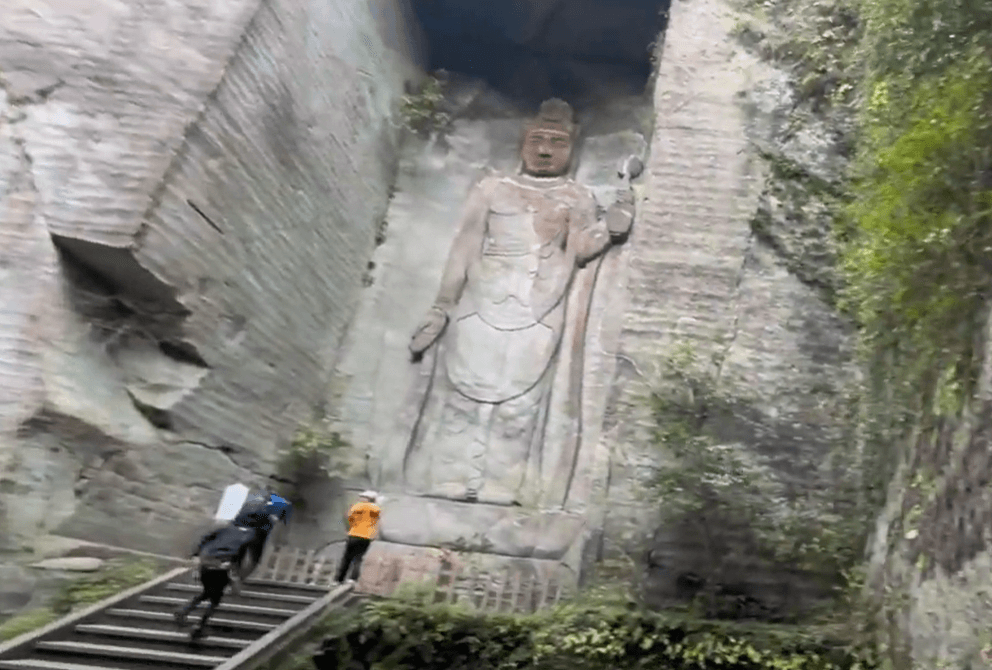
(549,139)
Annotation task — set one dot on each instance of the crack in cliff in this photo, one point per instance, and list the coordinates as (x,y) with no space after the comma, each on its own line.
(633,364)
(224,449)
(12,120)
(735,300)
(159,418)
(248,30)
(34,96)
(761,227)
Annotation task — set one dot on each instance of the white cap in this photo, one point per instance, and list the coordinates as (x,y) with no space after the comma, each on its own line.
(371,495)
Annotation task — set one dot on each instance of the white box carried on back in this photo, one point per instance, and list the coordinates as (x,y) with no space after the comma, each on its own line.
(231,503)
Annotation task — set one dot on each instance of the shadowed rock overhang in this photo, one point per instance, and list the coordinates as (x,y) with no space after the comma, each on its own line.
(581,50)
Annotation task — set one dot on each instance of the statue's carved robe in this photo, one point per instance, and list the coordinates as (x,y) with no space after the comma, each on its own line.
(480,432)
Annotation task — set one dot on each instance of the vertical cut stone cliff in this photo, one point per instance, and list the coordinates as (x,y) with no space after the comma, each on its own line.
(748,297)
(189,194)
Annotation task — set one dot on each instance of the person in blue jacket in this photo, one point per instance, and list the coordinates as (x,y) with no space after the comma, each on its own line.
(218,551)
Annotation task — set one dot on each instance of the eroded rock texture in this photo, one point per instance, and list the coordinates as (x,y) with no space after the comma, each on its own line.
(929,560)
(188,196)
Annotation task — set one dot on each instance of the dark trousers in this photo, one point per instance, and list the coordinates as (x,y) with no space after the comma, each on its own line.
(354,552)
(251,555)
(213,582)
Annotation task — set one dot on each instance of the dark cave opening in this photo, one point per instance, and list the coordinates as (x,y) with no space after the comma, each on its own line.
(585,51)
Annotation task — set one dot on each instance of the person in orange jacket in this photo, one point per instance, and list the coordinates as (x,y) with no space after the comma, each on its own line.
(363,524)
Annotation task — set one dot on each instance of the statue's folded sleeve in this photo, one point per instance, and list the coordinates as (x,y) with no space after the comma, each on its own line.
(466,246)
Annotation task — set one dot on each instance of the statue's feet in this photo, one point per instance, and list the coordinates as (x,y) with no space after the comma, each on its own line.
(489,496)
(454,491)
(497,497)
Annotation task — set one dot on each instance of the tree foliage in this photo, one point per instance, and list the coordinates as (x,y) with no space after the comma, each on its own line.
(918,232)
(718,487)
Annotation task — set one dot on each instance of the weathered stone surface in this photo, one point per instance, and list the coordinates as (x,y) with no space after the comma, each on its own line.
(385,565)
(929,557)
(188,196)
(17,586)
(699,276)
(186,217)
(78,564)
(425,522)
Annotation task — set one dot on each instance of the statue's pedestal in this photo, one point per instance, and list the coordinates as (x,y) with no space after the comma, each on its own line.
(388,567)
(517,532)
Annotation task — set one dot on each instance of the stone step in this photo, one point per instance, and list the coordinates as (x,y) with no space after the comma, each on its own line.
(130,653)
(224,607)
(274,583)
(166,617)
(38,664)
(252,595)
(157,635)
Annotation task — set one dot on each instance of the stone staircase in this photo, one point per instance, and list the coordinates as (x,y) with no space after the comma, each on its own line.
(136,628)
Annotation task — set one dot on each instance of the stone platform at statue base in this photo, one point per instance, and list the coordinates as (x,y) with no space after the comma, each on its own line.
(484,581)
(511,531)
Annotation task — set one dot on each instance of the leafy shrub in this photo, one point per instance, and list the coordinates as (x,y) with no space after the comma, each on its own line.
(919,229)
(723,491)
(917,235)
(402,634)
(422,112)
(315,453)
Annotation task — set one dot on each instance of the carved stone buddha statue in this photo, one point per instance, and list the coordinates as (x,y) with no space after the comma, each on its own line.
(497,327)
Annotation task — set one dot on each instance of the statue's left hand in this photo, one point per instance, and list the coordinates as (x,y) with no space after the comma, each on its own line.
(428,332)
(620,216)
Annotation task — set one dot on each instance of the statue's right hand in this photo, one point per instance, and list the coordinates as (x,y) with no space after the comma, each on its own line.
(428,332)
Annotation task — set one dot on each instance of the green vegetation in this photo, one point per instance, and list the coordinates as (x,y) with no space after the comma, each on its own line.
(917,234)
(912,228)
(912,218)
(415,633)
(25,623)
(315,453)
(422,112)
(817,39)
(715,488)
(116,576)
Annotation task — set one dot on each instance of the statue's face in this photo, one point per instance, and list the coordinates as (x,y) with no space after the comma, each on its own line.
(546,153)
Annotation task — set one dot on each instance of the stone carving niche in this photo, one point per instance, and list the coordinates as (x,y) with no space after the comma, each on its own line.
(482,428)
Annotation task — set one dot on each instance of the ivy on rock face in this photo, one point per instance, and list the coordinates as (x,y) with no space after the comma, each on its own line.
(315,453)
(919,228)
(916,235)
